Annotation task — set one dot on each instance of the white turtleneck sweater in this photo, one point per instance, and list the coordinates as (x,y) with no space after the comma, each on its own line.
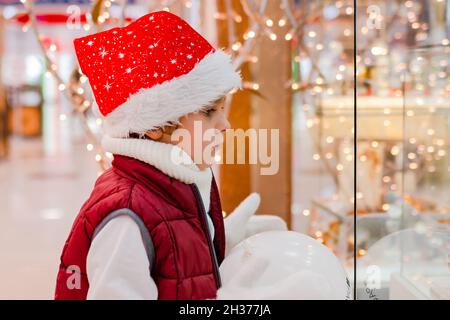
(117,263)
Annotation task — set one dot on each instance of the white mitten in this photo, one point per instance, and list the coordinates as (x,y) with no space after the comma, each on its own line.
(242,223)
(235,223)
(264,222)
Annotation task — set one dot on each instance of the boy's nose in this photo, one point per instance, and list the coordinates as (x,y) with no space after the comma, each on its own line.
(224,124)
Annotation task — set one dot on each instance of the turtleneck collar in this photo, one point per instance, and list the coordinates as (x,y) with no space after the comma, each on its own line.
(168,158)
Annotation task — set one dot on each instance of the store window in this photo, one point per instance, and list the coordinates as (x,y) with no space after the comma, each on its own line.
(402,177)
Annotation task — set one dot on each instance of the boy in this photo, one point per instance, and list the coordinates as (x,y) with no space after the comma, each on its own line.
(153,227)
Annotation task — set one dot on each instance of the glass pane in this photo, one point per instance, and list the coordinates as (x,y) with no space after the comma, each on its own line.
(402,138)
(425,174)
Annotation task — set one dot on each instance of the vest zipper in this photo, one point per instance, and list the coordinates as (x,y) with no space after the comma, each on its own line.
(210,243)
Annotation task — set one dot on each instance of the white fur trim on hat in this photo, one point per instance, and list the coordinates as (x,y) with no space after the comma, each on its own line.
(162,104)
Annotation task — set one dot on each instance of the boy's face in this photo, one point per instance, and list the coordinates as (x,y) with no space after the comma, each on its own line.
(199,134)
(206,129)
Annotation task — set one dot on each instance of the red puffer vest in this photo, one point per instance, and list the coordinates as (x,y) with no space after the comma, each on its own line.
(186,260)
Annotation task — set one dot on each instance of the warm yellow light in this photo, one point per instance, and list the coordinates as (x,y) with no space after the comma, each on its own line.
(395,150)
(236,46)
(253,59)
(413,166)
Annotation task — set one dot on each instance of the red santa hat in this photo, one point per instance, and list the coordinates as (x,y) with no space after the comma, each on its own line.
(152,72)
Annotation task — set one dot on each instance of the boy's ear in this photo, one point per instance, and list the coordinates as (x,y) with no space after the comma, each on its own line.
(155,134)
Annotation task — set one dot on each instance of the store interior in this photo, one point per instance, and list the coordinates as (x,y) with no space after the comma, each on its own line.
(298,67)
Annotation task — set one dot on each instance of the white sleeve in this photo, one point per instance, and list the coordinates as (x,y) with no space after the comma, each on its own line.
(117,263)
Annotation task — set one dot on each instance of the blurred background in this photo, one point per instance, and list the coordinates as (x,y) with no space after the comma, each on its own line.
(297,60)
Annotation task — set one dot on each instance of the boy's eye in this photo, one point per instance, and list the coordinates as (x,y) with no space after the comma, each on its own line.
(209,111)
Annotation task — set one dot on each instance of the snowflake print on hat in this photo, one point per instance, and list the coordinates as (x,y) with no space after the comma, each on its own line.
(152,72)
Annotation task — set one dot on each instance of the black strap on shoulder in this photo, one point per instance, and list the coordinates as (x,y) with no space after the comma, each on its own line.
(146,238)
